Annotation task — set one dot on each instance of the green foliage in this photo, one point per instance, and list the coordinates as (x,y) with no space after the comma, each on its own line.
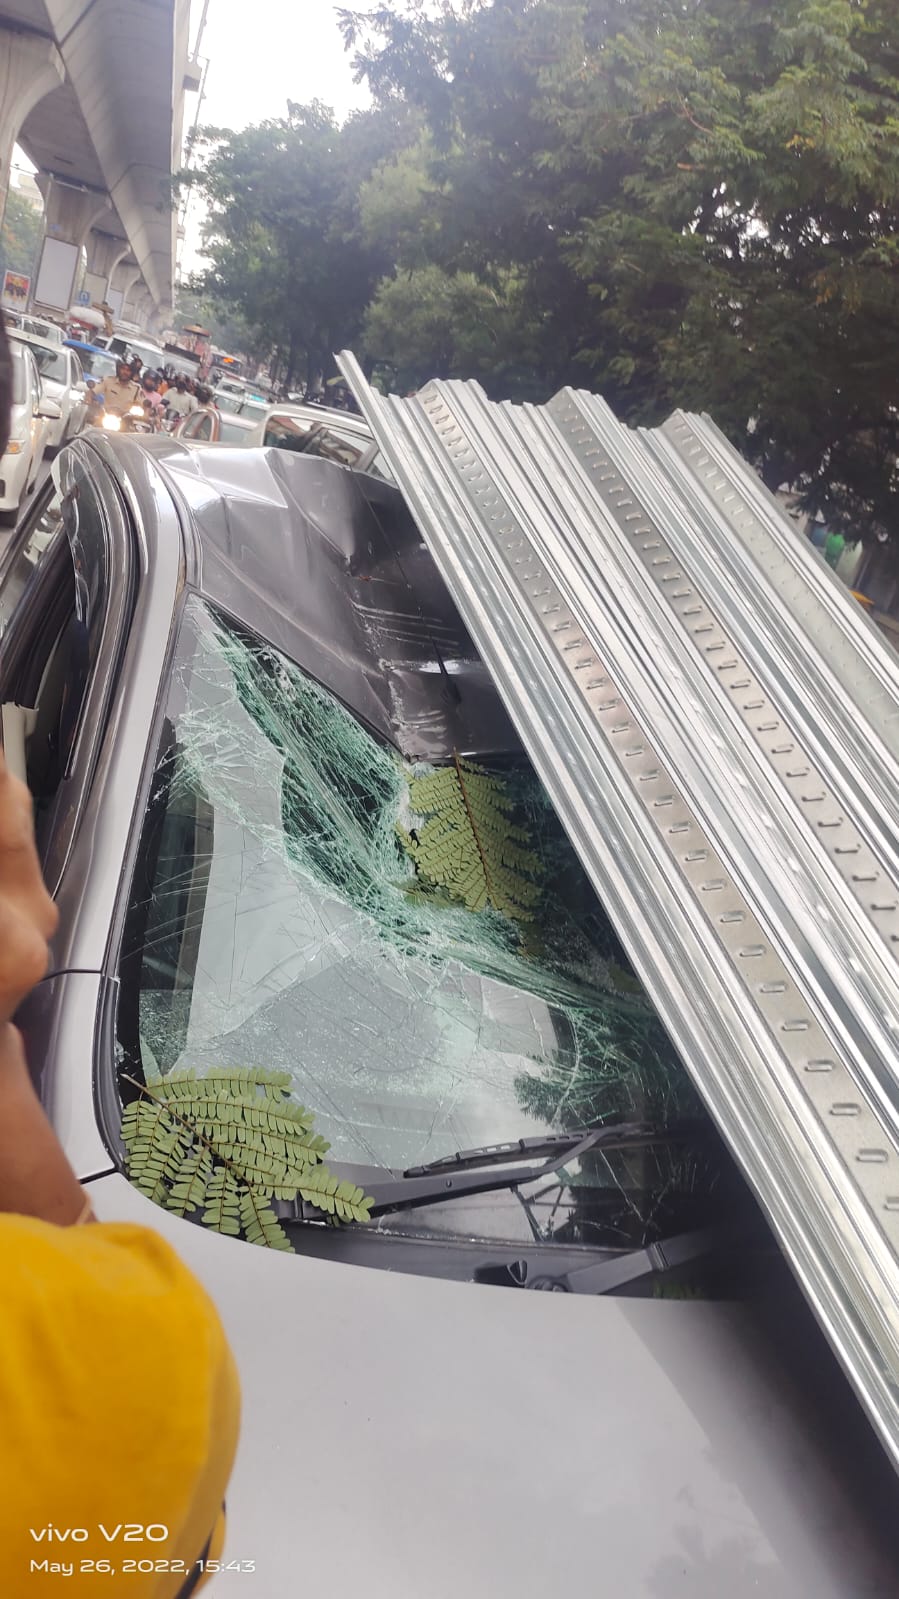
(21,234)
(430,323)
(698,204)
(468,845)
(283,235)
(226,1145)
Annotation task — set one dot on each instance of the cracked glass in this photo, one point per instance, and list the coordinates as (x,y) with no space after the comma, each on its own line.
(276,920)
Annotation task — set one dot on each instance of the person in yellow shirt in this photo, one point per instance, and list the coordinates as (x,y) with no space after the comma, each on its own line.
(119,1395)
(119,1401)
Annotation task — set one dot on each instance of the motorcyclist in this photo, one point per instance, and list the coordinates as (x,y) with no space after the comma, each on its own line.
(153,402)
(120,393)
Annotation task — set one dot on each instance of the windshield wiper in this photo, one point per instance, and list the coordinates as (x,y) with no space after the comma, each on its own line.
(491,1168)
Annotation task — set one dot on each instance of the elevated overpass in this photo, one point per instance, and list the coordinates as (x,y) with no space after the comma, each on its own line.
(93,91)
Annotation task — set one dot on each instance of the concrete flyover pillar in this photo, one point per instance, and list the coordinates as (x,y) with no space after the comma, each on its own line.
(104,252)
(121,282)
(135,297)
(30,66)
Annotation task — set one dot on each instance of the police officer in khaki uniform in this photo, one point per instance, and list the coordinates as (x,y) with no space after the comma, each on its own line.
(121,392)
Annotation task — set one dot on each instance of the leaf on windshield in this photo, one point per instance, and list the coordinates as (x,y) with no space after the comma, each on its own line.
(228,1143)
(468,844)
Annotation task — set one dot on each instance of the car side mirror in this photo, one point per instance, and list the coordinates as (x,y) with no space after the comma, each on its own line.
(48,409)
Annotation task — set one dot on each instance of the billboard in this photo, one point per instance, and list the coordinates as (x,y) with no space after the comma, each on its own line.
(56,274)
(14,293)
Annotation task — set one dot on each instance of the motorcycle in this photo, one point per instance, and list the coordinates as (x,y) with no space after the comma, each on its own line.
(135,420)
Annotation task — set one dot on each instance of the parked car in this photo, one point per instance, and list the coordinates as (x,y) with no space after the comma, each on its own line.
(240,404)
(34,326)
(62,379)
(218,778)
(96,362)
(149,353)
(33,416)
(236,389)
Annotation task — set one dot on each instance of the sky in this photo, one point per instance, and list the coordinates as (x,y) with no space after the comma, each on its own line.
(295,52)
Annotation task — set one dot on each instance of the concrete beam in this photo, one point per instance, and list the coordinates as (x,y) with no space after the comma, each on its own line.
(70,210)
(30,66)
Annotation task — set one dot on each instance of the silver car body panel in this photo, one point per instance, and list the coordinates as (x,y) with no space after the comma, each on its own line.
(404,1435)
(717,724)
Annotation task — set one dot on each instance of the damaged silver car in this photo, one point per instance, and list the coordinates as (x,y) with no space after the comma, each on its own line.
(302,854)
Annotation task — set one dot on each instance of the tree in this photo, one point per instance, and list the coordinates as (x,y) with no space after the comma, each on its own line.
(283,234)
(23,225)
(429,323)
(698,198)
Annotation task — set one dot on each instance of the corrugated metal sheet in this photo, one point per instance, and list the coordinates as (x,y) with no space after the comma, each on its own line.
(717,724)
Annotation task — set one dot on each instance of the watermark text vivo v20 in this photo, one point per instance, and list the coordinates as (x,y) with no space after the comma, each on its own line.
(125,1532)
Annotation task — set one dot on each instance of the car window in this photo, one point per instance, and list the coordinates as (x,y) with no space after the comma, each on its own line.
(23,560)
(231,433)
(54,622)
(229,403)
(275,918)
(102,366)
(77,369)
(309,438)
(50,363)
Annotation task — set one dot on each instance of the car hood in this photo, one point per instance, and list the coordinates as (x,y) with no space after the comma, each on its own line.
(406,1435)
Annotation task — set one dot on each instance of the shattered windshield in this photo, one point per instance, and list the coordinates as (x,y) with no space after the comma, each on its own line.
(307,901)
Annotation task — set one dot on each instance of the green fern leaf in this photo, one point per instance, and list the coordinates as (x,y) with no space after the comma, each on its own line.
(260,1224)
(467,845)
(223,1202)
(189,1190)
(336,1198)
(226,1145)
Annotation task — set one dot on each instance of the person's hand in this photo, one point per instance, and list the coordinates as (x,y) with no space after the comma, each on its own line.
(28,916)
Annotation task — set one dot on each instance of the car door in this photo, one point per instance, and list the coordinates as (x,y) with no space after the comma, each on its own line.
(200,426)
(66,588)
